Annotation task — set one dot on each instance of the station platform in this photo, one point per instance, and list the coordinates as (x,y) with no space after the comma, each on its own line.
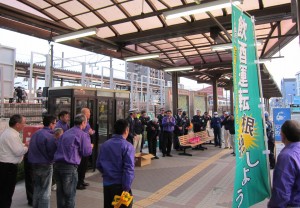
(204,180)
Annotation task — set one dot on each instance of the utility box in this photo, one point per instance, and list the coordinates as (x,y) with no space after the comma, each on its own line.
(142,159)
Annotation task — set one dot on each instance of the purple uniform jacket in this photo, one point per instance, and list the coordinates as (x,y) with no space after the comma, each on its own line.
(116,162)
(63,125)
(87,128)
(168,123)
(42,147)
(73,145)
(286,178)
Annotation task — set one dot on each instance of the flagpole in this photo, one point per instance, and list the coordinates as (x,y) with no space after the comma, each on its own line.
(266,152)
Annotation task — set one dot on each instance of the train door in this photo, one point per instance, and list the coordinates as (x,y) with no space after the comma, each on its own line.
(89,103)
(105,118)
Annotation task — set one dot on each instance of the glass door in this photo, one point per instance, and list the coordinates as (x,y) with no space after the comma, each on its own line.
(90,104)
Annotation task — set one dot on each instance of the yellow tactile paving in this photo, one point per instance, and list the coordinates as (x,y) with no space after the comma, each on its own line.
(166,190)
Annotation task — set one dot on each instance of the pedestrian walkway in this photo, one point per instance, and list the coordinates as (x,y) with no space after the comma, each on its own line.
(204,180)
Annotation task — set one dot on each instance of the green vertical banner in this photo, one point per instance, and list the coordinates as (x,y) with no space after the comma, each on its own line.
(251,183)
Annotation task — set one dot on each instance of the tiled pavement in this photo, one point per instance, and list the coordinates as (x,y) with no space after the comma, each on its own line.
(204,180)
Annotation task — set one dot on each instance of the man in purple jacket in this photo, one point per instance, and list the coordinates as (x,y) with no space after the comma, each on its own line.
(72,146)
(286,175)
(168,124)
(116,163)
(64,119)
(40,154)
(82,168)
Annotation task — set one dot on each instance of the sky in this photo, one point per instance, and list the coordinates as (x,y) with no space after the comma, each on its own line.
(288,66)
(281,68)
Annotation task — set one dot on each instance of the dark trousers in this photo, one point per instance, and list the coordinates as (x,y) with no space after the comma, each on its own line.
(82,169)
(66,177)
(217,134)
(28,179)
(110,192)
(152,143)
(8,180)
(167,142)
(271,146)
(160,138)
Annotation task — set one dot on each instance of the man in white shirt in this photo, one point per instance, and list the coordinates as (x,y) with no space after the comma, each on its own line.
(12,151)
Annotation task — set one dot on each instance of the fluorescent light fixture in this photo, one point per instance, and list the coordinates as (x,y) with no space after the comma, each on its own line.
(265,60)
(226,77)
(183,68)
(262,61)
(221,47)
(74,35)
(200,8)
(228,46)
(142,57)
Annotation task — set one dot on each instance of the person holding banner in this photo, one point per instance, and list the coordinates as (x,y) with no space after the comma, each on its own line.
(286,176)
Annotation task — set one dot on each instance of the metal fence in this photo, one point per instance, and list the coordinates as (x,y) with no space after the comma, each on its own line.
(31,111)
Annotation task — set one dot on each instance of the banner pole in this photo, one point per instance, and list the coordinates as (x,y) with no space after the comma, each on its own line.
(267,152)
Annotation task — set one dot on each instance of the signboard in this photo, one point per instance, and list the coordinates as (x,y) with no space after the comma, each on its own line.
(7,71)
(252,183)
(280,115)
(296,100)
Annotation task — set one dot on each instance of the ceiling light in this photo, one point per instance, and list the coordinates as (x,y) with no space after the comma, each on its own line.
(226,77)
(183,68)
(200,8)
(262,61)
(228,46)
(142,57)
(74,35)
(221,47)
(265,60)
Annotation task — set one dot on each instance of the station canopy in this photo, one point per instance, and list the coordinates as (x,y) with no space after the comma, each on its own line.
(134,27)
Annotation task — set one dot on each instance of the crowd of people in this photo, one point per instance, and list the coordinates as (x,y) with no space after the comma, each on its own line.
(58,154)
(20,95)
(56,149)
(167,128)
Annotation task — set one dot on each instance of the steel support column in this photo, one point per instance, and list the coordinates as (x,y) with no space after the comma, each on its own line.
(175,91)
(231,99)
(215,94)
(51,66)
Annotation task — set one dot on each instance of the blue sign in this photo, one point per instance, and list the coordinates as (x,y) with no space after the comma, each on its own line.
(296,100)
(280,115)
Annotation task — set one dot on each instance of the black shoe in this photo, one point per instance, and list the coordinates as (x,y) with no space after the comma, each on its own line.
(220,147)
(80,187)
(30,203)
(164,155)
(156,157)
(232,153)
(85,184)
(169,155)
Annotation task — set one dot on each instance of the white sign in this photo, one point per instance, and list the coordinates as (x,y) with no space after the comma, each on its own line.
(7,71)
